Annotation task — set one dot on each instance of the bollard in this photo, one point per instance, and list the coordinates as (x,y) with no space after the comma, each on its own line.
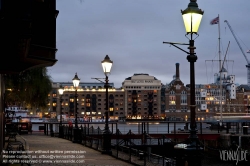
(141,156)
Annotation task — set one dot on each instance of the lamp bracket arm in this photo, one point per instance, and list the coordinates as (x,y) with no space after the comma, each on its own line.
(174,44)
(197,35)
(98,79)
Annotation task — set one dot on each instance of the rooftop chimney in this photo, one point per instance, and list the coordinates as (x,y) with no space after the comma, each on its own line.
(177,71)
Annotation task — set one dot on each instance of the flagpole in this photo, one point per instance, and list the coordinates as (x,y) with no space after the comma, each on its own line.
(220,67)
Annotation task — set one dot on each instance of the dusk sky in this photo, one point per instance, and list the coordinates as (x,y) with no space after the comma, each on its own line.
(131,32)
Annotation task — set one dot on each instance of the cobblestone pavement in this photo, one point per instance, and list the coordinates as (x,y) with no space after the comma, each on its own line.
(50,150)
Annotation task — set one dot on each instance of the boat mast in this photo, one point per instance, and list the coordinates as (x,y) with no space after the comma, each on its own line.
(220,67)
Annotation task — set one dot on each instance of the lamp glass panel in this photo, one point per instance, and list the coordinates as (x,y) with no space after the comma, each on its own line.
(60,91)
(106,67)
(76,83)
(194,19)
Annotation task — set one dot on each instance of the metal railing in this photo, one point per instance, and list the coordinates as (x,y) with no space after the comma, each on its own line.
(141,150)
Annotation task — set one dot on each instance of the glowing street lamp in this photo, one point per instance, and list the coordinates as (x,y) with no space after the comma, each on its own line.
(106,65)
(76,130)
(192,16)
(60,91)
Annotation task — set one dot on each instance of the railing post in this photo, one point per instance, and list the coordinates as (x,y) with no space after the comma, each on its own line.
(85,132)
(88,128)
(47,129)
(44,130)
(174,131)
(67,132)
(237,127)
(228,124)
(148,127)
(163,156)
(51,130)
(168,127)
(117,142)
(144,147)
(112,128)
(116,126)
(98,132)
(142,131)
(64,131)
(81,133)
(130,146)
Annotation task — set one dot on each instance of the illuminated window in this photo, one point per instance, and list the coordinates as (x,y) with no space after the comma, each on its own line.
(54,95)
(48,103)
(71,100)
(54,104)
(66,103)
(48,95)
(82,103)
(111,109)
(172,100)
(88,104)
(82,100)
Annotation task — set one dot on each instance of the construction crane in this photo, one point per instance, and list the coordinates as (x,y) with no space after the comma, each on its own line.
(248,63)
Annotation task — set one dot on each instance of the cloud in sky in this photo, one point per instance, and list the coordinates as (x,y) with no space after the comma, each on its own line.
(131,33)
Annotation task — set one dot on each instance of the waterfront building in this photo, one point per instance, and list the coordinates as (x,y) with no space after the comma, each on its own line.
(177,98)
(144,97)
(142,94)
(210,98)
(243,93)
(219,98)
(139,98)
(90,101)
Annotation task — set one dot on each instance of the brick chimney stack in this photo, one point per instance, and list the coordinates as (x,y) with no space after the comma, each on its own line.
(177,71)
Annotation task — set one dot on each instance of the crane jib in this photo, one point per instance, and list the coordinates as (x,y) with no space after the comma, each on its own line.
(248,63)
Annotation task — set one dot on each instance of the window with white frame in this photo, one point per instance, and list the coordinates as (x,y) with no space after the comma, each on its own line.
(183,97)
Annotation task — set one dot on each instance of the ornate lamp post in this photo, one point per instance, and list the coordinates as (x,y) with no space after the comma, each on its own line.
(60,90)
(76,130)
(106,65)
(192,17)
